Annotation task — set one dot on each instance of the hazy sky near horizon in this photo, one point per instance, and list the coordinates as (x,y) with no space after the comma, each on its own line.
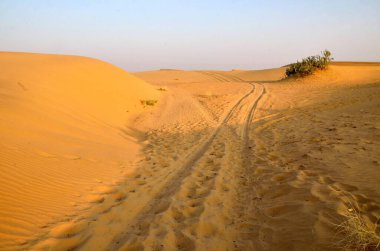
(198,34)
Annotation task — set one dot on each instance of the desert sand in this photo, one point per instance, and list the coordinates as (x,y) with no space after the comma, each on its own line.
(64,138)
(225,160)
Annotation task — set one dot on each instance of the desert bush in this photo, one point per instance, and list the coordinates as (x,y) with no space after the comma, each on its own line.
(150,102)
(359,234)
(309,65)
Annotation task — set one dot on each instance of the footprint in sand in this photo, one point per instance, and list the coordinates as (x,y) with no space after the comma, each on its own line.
(72,157)
(67,229)
(46,154)
(95,198)
(59,244)
(118,196)
(161,206)
(105,190)
(178,241)
(177,214)
(206,229)
(278,211)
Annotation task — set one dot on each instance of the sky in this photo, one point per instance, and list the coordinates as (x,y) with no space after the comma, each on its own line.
(139,35)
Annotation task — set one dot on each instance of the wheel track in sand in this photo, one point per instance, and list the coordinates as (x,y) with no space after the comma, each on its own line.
(246,194)
(174,183)
(229,233)
(215,76)
(221,77)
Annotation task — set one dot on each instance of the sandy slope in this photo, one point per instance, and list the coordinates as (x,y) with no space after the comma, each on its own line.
(63,137)
(241,160)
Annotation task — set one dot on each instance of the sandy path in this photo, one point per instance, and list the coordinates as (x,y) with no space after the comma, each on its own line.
(182,198)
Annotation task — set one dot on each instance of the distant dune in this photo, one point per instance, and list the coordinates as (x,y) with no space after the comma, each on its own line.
(63,124)
(168,76)
(350,63)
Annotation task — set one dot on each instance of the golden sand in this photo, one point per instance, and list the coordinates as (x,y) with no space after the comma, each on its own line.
(226,160)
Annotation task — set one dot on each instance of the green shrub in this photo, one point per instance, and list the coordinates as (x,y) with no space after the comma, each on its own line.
(309,65)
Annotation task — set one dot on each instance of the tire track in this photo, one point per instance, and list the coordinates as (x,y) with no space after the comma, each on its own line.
(192,220)
(247,192)
(235,231)
(216,76)
(193,216)
(230,77)
(172,185)
(251,115)
(223,78)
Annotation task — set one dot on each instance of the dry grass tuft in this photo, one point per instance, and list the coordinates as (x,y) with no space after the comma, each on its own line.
(359,234)
(150,102)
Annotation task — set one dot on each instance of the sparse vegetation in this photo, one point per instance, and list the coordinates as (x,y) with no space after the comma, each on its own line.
(161,89)
(150,102)
(359,234)
(309,65)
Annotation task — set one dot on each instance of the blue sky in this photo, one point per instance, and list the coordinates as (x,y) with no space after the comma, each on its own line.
(209,34)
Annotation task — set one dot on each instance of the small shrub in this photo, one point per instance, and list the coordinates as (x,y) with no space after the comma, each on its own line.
(359,234)
(309,65)
(150,102)
(161,89)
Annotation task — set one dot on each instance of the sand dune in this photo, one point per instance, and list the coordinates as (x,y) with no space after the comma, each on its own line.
(237,160)
(63,137)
